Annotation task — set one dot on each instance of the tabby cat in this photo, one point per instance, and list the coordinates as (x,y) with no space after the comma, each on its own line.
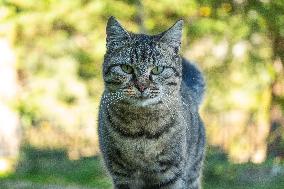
(151,135)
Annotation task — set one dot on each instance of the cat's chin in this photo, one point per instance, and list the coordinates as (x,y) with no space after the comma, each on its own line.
(144,102)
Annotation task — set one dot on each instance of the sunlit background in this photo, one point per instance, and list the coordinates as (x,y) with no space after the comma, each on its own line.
(51,54)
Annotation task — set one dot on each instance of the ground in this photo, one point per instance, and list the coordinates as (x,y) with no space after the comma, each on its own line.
(51,169)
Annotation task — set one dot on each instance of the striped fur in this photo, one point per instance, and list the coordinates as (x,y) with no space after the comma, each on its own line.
(151,137)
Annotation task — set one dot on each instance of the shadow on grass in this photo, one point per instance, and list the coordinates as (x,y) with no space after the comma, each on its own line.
(219,173)
(43,166)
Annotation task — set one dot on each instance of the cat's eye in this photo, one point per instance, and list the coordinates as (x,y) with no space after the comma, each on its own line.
(126,68)
(157,70)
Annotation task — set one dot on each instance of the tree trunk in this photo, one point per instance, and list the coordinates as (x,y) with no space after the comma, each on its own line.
(139,18)
(9,121)
(275,139)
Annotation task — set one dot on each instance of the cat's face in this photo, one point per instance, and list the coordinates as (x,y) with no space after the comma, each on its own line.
(140,69)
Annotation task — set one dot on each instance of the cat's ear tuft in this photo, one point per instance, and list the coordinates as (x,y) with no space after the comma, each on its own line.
(117,36)
(172,37)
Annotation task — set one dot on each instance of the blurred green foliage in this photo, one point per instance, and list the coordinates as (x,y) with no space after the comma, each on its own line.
(239,45)
(59,47)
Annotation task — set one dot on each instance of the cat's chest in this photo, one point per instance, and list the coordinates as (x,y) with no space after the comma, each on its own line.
(144,140)
(142,125)
(143,152)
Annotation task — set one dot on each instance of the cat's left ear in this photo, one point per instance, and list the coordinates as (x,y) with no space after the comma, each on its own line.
(172,37)
(117,36)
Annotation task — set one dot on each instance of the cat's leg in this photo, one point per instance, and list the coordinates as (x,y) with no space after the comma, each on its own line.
(168,181)
(121,178)
(195,185)
(181,184)
(121,181)
(129,184)
(121,186)
(121,172)
(177,184)
(194,180)
(126,180)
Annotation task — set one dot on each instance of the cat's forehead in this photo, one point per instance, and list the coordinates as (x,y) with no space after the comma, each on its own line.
(143,41)
(143,50)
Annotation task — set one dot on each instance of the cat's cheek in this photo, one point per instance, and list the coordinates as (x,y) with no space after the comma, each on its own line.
(119,77)
(129,90)
(113,80)
(168,73)
(163,77)
(116,71)
(115,84)
(157,79)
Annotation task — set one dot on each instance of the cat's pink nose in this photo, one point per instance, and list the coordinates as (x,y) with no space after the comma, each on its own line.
(142,85)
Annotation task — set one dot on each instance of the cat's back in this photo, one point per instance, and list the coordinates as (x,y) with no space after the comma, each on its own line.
(193,84)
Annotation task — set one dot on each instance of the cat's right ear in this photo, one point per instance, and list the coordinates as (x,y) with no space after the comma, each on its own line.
(172,37)
(117,36)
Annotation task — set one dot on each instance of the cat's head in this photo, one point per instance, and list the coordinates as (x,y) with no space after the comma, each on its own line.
(140,69)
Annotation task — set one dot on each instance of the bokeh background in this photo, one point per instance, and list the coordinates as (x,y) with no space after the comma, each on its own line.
(51,54)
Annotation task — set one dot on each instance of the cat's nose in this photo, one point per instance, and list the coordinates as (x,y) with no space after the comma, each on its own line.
(141,88)
(142,85)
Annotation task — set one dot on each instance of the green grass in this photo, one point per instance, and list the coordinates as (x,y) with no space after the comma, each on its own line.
(52,167)
(219,173)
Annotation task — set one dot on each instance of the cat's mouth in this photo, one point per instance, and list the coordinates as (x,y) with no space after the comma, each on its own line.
(143,96)
(142,99)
